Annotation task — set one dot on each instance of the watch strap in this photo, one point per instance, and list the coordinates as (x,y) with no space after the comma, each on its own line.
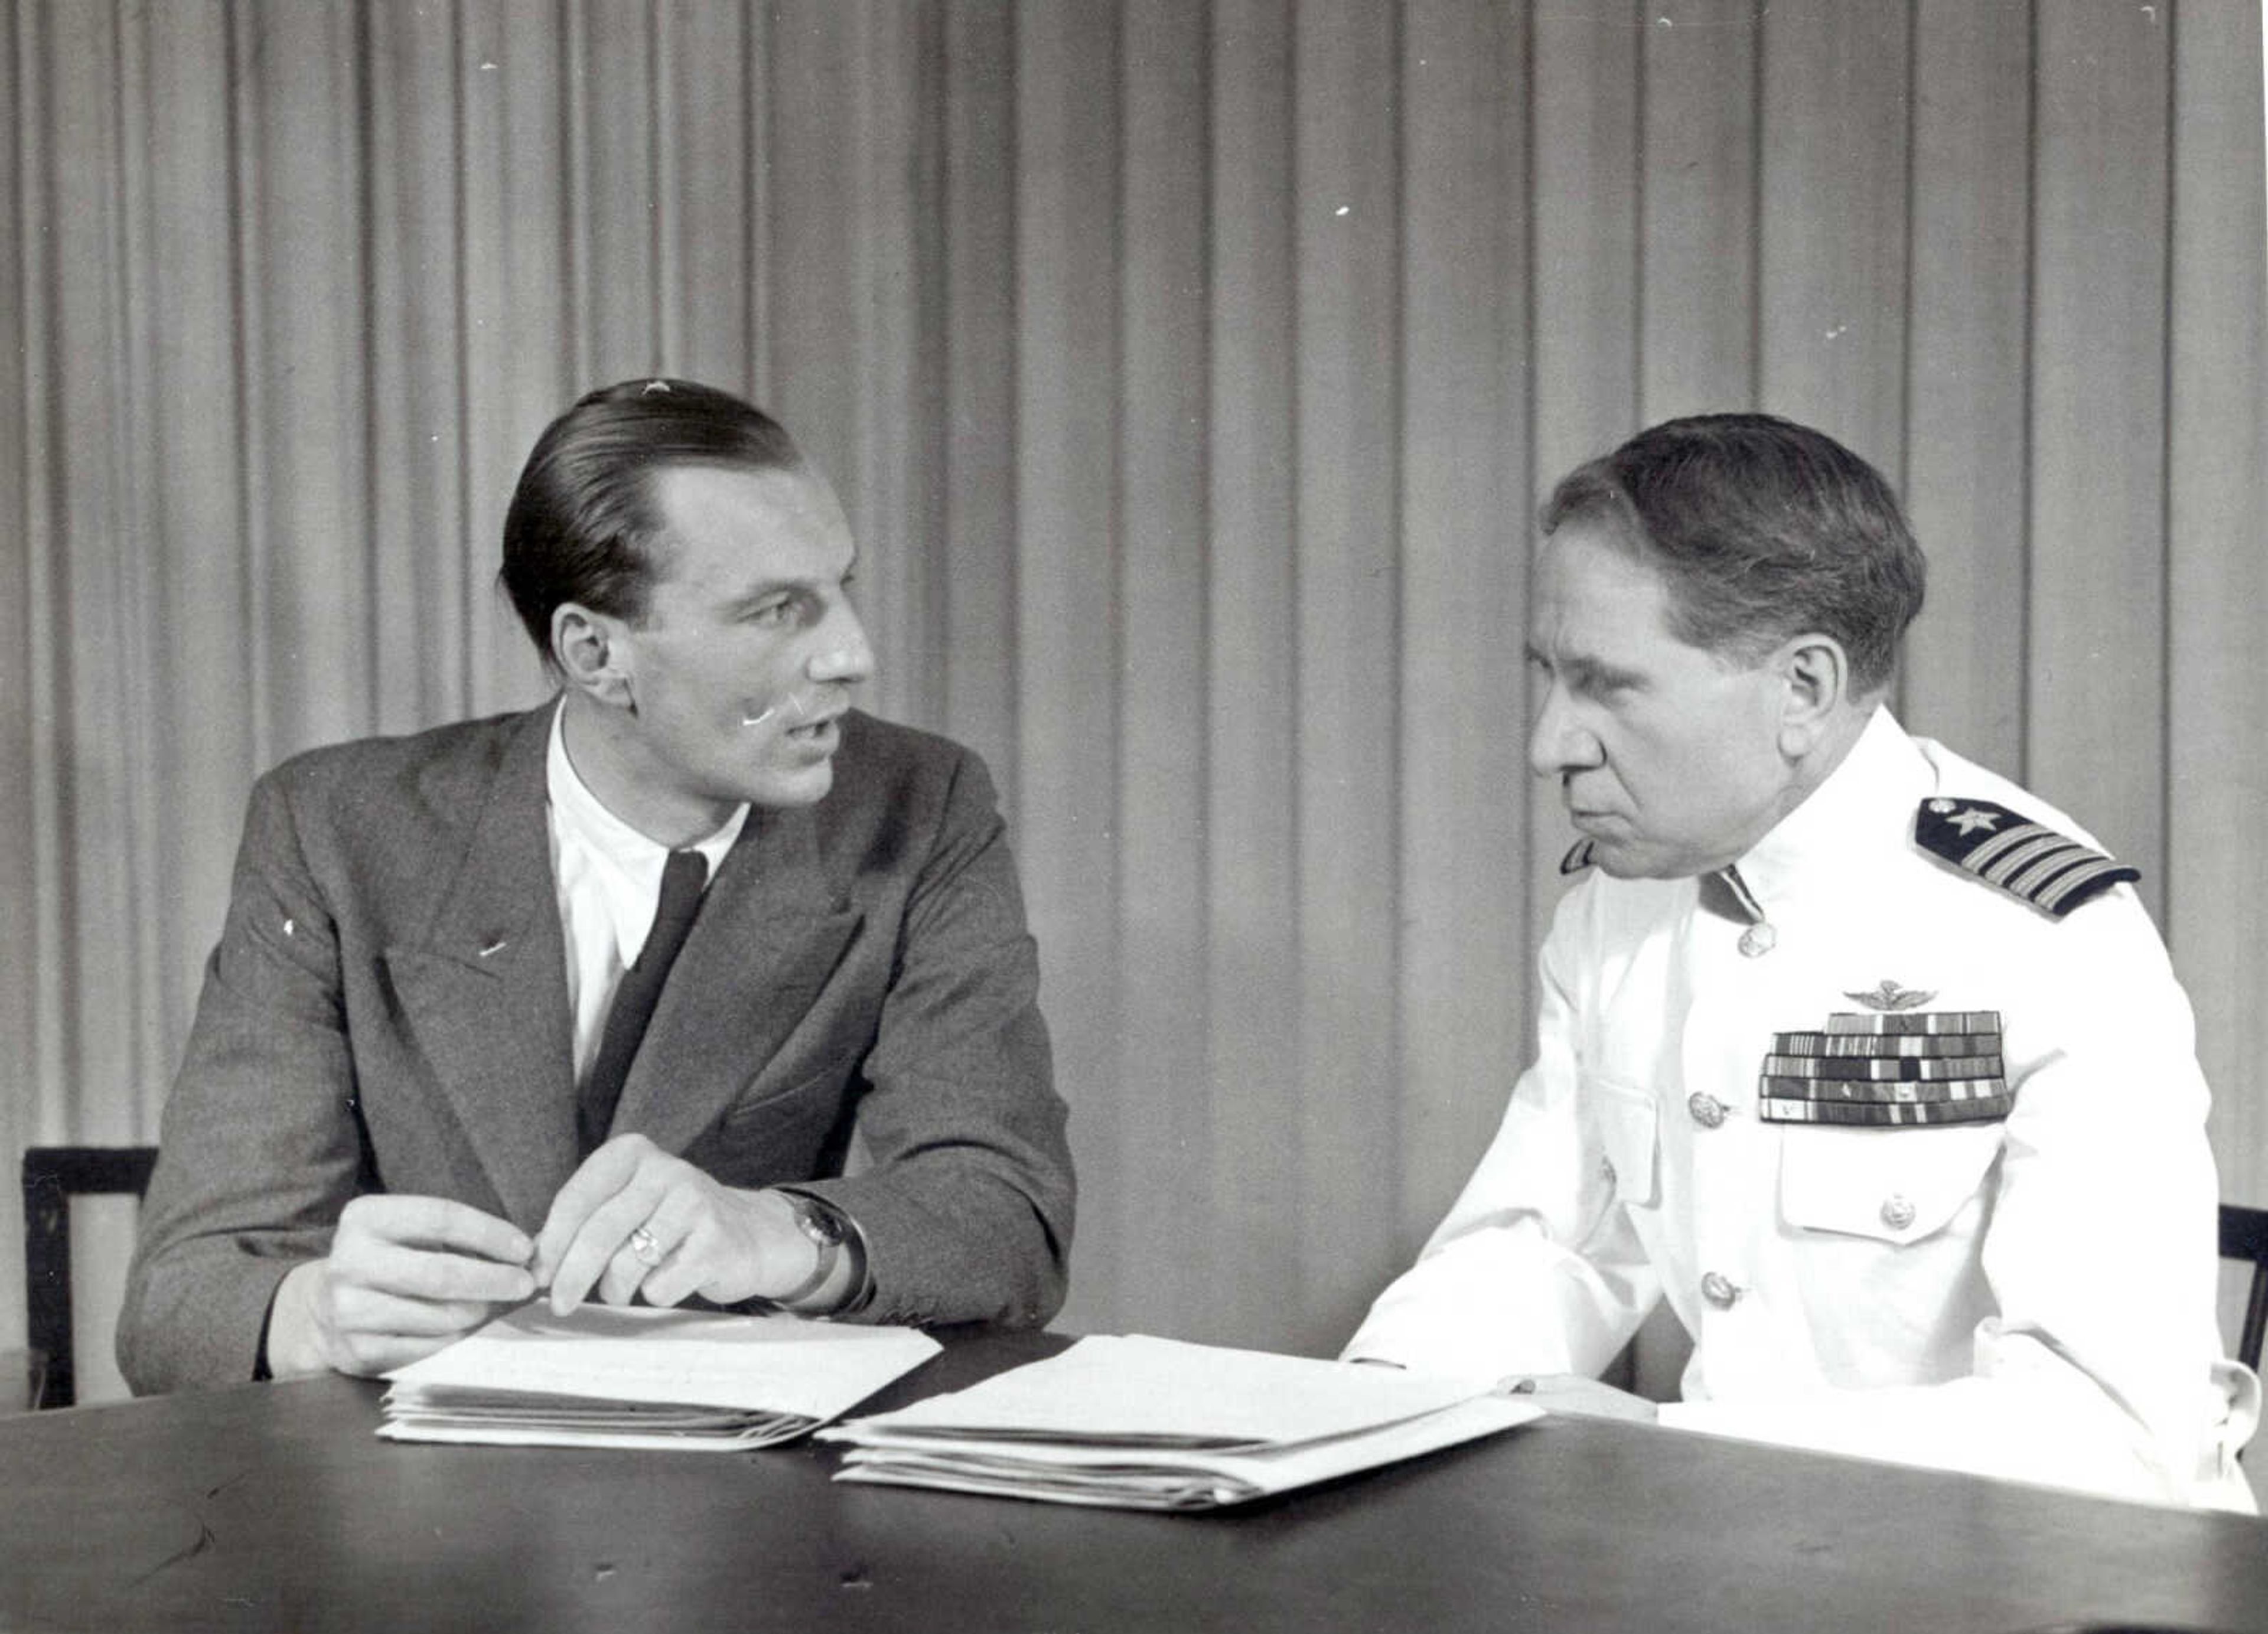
(835,1235)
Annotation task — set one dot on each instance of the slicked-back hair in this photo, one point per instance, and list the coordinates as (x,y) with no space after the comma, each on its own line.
(1762,530)
(583,523)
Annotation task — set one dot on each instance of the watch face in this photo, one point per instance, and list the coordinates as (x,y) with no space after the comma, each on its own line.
(818,1223)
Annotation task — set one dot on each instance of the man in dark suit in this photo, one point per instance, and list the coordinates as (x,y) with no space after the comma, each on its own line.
(587,999)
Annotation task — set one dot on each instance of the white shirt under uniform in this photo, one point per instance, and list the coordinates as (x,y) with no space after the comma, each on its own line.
(2000,1265)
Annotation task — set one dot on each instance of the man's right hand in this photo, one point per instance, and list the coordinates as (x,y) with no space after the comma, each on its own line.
(405,1276)
(1585,1398)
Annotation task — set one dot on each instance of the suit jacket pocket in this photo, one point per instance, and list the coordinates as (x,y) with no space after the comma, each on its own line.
(798,1134)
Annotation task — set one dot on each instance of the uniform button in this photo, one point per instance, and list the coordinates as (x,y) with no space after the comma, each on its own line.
(1897,1211)
(1757,940)
(1718,1289)
(1707,1110)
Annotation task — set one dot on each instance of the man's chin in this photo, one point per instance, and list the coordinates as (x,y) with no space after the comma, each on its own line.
(1617,866)
(805,785)
(1622,860)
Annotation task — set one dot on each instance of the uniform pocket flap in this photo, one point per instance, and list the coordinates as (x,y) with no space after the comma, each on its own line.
(1894,1185)
(1627,1119)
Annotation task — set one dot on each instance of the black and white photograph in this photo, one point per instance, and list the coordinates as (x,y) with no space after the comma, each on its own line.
(1089,815)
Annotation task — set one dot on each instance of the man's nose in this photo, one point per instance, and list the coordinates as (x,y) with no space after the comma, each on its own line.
(840,654)
(1558,743)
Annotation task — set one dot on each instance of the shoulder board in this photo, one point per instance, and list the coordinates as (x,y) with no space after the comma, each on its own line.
(2052,872)
(1578,858)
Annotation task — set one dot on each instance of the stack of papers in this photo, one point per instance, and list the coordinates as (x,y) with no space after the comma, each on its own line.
(1139,1422)
(640,1377)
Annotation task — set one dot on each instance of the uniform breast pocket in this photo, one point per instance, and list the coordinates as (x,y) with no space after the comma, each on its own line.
(1624,1119)
(1894,1185)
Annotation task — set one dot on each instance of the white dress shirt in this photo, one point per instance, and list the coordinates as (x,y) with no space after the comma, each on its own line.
(608,876)
(2029,1297)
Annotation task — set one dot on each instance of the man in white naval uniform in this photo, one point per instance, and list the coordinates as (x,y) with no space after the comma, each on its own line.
(1866,1059)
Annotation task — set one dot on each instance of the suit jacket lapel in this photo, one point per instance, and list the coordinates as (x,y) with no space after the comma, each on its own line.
(487,991)
(771,930)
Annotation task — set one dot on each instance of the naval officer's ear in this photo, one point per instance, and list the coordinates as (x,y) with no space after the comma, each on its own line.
(1814,676)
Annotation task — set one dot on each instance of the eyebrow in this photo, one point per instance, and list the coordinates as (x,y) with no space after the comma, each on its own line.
(758,594)
(1584,672)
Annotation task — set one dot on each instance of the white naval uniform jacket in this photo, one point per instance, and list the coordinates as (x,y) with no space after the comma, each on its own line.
(2031,1296)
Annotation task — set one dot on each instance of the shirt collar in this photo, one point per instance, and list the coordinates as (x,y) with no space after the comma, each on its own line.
(584,816)
(1866,801)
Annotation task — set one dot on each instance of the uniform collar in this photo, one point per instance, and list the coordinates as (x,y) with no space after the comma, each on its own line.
(1865,802)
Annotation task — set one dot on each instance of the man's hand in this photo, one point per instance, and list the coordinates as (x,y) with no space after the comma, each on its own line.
(405,1276)
(1572,1393)
(1560,1393)
(698,1236)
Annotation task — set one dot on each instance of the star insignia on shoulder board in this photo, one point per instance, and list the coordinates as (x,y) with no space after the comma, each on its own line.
(1890,997)
(1971,820)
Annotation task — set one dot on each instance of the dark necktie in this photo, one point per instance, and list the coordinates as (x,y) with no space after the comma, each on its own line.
(682,876)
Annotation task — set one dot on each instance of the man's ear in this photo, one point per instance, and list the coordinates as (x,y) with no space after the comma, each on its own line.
(592,655)
(1815,674)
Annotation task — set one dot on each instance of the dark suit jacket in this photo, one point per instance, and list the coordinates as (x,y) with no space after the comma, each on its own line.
(386,1010)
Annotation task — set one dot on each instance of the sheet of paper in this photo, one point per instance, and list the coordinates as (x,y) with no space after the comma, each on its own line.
(741,1439)
(1164,1479)
(777,1365)
(1134,1388)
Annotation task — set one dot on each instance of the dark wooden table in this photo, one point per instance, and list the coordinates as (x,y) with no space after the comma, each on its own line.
(273,1506)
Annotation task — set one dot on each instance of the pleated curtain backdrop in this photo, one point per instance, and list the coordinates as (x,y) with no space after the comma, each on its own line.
(1190,372)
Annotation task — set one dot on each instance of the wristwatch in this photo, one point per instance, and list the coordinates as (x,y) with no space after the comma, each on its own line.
(823,1225)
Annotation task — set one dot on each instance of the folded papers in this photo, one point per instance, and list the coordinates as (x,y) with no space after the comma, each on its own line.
(608,1376)
(1139,1422)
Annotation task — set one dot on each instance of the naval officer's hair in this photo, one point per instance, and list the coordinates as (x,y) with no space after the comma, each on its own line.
(584,523)
(1763,529)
